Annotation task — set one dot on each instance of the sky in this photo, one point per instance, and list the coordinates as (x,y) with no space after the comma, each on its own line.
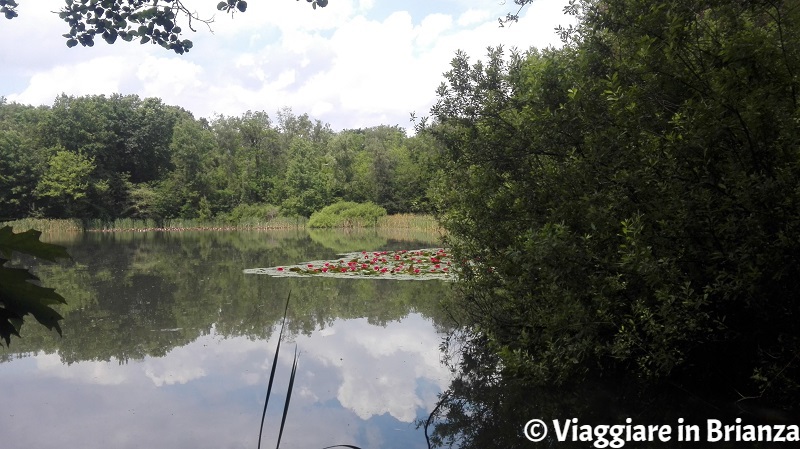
(357,383)
(353,64)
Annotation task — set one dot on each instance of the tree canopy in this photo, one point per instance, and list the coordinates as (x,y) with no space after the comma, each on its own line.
(121,156)
(628,204)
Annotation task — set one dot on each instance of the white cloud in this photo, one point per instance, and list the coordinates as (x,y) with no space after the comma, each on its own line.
(168,75)
(179,368)
(380,370)
(97,404)
(365,5)
(472,16)
(432,27)
(98,373)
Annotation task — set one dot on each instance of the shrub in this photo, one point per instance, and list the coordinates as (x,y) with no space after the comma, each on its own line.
(251,213)
(346,214)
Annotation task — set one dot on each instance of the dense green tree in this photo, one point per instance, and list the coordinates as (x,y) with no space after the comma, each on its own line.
(260,162)
(181,192)
(22,158)
(628,204)
(156,161)
(342,150)
(144,132)
(127,138)
(123,133)
(379,144)
(308,180)
(383,166)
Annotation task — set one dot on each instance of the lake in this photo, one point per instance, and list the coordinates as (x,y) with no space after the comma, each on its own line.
(168,344)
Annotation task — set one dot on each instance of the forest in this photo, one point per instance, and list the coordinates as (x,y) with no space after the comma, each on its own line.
(121,156)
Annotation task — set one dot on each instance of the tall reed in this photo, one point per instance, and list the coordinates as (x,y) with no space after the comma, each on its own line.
(54,226)
(45,225)
(409,221)
(289,392)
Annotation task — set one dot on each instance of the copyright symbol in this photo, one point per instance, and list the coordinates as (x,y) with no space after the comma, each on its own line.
(535,430)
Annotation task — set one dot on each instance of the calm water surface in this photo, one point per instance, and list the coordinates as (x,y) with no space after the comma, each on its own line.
(167,344)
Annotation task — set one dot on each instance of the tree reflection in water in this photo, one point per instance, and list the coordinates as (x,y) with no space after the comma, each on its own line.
(487,406)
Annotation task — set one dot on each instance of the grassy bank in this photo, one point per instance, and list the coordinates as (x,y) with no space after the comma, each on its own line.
(57,226)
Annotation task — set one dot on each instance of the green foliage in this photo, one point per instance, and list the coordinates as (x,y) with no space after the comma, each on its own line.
(204,209)
(252,213)
(345,214)
(628,203)
(66,182)
(22,158)
(18,295)
(153,161)
(9,8)
(307,184)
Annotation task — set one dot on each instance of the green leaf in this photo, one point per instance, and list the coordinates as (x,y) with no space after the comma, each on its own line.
(20,297)
(110,36)
(241,6)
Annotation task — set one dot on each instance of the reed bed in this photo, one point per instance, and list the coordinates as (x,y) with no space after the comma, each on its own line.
(45,225)
(130,225)
(63,226)
(409,221)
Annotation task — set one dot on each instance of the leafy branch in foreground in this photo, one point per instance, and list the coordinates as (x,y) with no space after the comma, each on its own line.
(145,20)
(8,8)
(18,295)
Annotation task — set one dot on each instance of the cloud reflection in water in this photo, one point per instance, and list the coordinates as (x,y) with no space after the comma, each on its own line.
(357,384)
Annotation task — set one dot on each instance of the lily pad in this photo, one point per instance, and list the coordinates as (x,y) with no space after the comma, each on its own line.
(418,265)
